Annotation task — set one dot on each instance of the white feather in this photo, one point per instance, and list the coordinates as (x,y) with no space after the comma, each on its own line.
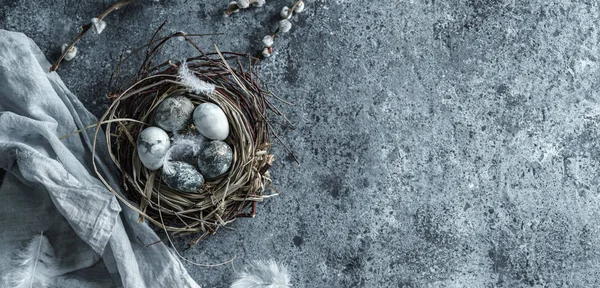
(184,147)
(33,266)
(263,274)
(193,83)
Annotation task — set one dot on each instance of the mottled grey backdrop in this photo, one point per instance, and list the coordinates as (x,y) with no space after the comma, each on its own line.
(442,143)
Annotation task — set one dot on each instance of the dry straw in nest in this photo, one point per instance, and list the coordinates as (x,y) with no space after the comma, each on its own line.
(246,103)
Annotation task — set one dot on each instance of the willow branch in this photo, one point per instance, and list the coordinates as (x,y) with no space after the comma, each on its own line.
(85,28)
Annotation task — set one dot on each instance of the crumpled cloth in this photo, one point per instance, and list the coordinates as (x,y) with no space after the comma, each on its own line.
(50,184)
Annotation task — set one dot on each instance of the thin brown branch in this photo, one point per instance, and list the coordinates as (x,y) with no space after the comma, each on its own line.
(84,30)
(283,143)
(295,6)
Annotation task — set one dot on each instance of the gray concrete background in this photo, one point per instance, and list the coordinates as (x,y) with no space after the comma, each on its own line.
(443,143)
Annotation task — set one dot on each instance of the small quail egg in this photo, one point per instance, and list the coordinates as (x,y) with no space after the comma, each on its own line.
(182,176)
(174,113)
(152,146)
(210,120)
(215,159)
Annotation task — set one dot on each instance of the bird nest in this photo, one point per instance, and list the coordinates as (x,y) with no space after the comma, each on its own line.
(246,102)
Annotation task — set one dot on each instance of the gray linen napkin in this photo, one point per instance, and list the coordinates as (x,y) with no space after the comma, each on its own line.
(50,185)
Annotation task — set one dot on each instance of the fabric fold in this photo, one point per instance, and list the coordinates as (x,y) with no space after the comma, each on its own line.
(78,214)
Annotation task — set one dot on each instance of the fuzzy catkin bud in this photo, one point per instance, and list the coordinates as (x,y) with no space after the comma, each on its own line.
(285,12)
(243,4)
(285,26)
(267,52)
(267,41)
(71,54)
(98,25)
(259,3)
(300,7)
(233,7)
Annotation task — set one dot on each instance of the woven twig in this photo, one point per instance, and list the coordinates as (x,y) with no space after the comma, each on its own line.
(246,103)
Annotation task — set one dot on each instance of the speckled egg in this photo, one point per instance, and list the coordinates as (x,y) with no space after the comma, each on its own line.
(174,113)
(152,146)
(182,176)
(215,159)
(210,120)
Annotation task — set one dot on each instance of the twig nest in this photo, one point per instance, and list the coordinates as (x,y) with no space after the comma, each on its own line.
(215,159)
(182,176)
(210,121)
(285,26)
(174,113)
(152,146)
(71,54)
(203,184)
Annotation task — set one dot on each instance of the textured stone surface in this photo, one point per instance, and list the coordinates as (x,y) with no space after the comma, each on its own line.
(442,143)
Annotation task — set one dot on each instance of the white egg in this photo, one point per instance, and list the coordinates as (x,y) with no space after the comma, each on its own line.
(152,146)
(211,121)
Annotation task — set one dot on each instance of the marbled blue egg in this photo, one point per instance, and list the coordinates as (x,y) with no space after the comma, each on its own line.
(152,146)
(215,159)
(182,176)
(174,113)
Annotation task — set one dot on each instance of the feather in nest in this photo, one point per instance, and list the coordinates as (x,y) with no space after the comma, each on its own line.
(33,266)
(193,83)
(263,274)
(183,148)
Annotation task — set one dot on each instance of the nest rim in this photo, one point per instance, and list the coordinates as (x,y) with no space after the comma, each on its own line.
(241,96)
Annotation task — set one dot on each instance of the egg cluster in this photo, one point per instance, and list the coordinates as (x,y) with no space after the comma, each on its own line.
(188,157)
